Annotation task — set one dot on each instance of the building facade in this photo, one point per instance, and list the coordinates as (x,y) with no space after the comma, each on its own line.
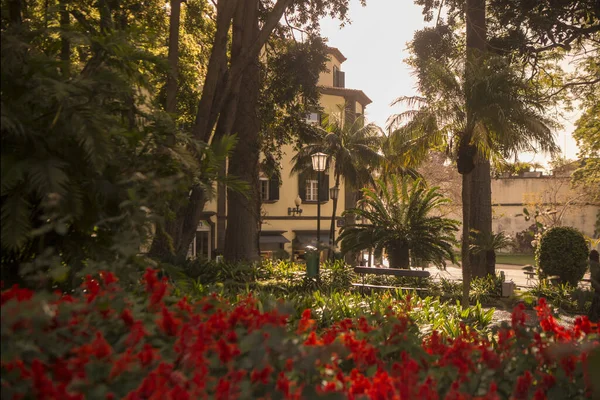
(284,231)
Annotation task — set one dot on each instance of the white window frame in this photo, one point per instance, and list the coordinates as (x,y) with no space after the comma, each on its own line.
(264,184)
(312,190)
(312,118)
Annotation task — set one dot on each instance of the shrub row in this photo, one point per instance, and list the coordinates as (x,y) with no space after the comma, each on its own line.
(106,344)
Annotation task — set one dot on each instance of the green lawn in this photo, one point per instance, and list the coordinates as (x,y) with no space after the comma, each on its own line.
(515,259)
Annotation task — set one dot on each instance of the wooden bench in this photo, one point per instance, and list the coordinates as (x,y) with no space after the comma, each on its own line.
(389,272)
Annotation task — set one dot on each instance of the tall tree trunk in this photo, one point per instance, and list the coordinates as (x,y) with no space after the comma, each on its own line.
(14,11)
(481,212)
(221,81)
(476,45)
(65,43)
(243,219)
(466,260)
(172,241)
(173,57)
(351,197)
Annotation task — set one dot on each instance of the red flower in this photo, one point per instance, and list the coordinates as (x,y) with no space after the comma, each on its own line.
(518,316)
(92,288)
(223,389)
(305,322)
(127,317)
(108,278)
(137,332)
(101,347)
(523,384)
(313,340)
(227,351)
(168,323)
(262,375)
(147,355)
(283,384)
(16,293)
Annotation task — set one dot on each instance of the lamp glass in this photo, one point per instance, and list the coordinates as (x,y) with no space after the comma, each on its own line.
(298,201)
(334,192)
(319,161)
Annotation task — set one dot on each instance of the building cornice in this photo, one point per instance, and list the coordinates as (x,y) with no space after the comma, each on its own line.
(334,51)
(351,94)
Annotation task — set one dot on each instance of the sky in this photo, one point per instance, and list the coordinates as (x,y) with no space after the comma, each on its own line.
(375,44)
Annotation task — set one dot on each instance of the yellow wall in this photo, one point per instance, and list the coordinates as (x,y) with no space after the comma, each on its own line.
(331,105)
(326,78)
(511,195)
(288,191)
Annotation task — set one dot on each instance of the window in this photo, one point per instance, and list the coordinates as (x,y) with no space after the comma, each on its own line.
(264,189)
(339,78)
(312,190)
(312,118)
(269,188)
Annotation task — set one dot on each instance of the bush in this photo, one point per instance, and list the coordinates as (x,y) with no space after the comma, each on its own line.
(104,344)
(563,252)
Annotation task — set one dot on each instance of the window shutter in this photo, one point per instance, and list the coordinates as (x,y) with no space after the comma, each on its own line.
(341,79)
(274,188)
(324,189)
(302,186)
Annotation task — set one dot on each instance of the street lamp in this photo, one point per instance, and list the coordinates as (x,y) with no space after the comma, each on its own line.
(296,210)
(334,192)
(319,161)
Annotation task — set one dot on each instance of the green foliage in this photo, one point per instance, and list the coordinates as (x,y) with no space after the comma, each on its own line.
(353,146)
(587,135)
(398,215)
(571,299)
(562,252)
(88,156)
(492,242)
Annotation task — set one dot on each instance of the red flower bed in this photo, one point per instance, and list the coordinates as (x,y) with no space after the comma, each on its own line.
(106,344)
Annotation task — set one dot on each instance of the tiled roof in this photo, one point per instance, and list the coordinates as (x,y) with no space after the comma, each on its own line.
(355,94)
(337,53)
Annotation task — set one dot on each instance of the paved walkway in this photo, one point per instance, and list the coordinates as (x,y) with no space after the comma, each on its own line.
(511,272)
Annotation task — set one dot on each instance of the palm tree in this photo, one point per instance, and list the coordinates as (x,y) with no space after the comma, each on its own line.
(488,244)
(399,221)
(354,147)
(507,120)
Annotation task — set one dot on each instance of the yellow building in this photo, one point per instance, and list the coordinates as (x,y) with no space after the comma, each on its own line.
(282,228)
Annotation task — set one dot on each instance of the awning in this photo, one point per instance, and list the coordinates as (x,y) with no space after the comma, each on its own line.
(264,239)
(306,238)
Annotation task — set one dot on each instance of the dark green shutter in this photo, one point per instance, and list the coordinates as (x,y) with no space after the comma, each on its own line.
(302,186)
(324,189)
(274,188)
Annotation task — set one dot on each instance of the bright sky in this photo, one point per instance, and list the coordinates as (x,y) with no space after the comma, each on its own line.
(375,45)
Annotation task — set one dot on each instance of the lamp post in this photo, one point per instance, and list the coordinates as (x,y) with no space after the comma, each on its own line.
(319,161)
(334,192)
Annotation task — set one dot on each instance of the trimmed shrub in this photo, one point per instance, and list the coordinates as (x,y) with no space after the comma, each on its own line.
(562,252)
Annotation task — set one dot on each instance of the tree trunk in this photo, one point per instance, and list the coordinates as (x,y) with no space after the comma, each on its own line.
(171,243)
(173,57)
(243,219)
(65,43)
(476,45)
(398,257)
(466,261)
(351,200)
(220,85)
(481,213)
